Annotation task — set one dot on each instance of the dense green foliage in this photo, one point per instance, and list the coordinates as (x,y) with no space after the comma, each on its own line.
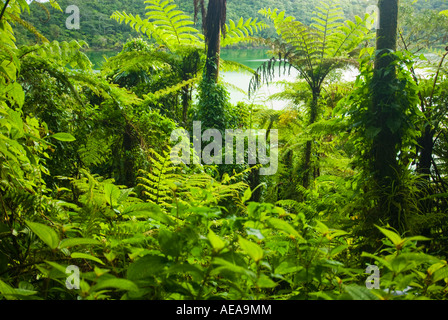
(88,183)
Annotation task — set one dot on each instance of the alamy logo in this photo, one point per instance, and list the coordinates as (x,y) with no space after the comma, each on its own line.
(72,21)
(373,281)
(257,148)
(72,281)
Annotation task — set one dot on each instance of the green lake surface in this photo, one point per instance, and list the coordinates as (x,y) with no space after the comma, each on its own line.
(237,82)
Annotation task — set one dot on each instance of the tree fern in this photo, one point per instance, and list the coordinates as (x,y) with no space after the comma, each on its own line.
(315,51)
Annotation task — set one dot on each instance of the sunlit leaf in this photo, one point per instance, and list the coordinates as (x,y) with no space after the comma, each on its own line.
(80,255)
(62,136)
(45,233)
(251,248)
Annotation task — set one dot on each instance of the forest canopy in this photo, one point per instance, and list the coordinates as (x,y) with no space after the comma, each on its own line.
(141,179)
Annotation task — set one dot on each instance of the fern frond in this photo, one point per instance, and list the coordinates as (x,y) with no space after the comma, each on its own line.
(176,25)
(62,53)
(349,35)
(278,18)
(27,26)
(167,25)
(134,61)
(96,150)
(154,96)
(44,8)
(122,97)
(55,5)
(243,31)
(158,183)
(167,184)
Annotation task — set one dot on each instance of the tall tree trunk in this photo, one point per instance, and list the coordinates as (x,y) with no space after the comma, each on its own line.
(385,164)
(426,142)
(307,161)
(185,104)
(213,28)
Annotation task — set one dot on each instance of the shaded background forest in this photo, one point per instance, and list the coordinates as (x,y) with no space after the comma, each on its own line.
(100,32)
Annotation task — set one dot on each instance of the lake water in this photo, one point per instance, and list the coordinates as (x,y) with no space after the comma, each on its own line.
(239,81)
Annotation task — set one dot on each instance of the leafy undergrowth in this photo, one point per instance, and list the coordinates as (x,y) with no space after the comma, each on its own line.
(191,248)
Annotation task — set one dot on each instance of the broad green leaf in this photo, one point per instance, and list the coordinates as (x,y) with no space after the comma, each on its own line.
(417,238)
(440,274)
(45,233)
(62,136)
(71,242)
(384,262)
(265,282)
(19,292)
(224,265)
(148,210)
(284,226)
(360,293)
(217,243)
(400,264)
(115,283)
(255,232)
(111,193)
(436,266)
(321,227)
(247,195)
(170,242)
(80,255)
(7,291)
(251,248)
(394,237)
(146,267)
(11,293)
(56,266)
(409,260)
(286,267)
(338,249)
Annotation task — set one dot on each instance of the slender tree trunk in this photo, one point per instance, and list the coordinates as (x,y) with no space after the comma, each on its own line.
(214,24)
(127,176)
(385,166)
(185,104)
(307,161)
(426,143)
(384,147)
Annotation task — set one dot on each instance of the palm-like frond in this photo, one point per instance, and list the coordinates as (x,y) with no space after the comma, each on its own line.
(61,53)
(174,25)
(169,26)
(313,50)
(242,31)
